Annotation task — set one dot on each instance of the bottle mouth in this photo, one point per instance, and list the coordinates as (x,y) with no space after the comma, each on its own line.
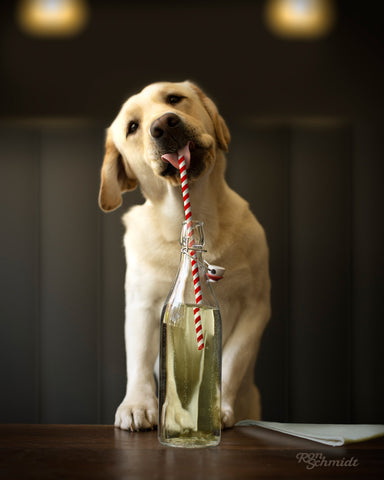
(192,235)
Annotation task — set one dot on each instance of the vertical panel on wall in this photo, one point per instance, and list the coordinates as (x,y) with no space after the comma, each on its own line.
(368,358)
(69,274)
(19,273)
(321,272)
(113,371)
(258,170)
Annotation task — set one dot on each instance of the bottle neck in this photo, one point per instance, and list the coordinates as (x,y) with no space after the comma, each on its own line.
(183,290)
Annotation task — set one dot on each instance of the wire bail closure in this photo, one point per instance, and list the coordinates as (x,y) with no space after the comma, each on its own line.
(214,273)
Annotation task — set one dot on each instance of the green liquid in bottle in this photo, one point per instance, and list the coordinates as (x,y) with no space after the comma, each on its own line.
(190,379)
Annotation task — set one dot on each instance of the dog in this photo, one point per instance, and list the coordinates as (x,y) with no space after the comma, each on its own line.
(142,145)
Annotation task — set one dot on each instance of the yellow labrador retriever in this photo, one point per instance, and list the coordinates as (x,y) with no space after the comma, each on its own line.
(141,149)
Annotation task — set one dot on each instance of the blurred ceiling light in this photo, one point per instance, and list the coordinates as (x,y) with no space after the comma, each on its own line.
(305,19)
(52,18)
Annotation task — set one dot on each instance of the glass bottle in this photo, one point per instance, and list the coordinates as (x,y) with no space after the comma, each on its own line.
(190,379)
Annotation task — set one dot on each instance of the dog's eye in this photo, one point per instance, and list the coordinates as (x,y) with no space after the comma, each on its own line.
(132,127)
(173,99)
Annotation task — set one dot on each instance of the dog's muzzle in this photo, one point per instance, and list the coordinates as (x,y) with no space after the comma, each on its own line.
(170,136)
(168,133)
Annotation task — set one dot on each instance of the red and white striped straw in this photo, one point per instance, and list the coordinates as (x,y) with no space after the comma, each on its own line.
(195,267)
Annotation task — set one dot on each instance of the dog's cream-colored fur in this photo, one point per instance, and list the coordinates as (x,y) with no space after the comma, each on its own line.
(234,239)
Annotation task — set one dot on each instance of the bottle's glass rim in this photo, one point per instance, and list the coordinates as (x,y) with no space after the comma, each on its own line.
(195,239)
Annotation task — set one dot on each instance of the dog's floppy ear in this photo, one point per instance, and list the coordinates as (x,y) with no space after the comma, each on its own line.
(115,179)
(222,133)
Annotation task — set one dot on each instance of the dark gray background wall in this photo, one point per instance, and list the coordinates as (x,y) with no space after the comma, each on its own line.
(306,152)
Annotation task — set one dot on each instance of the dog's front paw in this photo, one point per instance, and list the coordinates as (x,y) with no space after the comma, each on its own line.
(177,419)
(136,414)
(227,416)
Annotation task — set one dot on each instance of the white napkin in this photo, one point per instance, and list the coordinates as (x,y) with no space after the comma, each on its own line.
(335,435)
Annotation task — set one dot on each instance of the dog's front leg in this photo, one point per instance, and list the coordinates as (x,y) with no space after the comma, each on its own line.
(139,409)
(239,353)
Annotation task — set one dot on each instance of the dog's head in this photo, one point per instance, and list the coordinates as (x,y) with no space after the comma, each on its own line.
(149,131)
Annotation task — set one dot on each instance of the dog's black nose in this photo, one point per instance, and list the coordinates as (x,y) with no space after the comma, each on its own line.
(163,124)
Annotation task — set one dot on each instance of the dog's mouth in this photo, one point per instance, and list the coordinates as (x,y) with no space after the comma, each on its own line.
(195,160)
(173,157)
(169,171)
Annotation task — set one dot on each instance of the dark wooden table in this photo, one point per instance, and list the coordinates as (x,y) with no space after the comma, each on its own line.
(103,452)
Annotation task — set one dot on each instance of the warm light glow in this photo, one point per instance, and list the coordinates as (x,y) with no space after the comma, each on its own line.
(52,17)
(300,18)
